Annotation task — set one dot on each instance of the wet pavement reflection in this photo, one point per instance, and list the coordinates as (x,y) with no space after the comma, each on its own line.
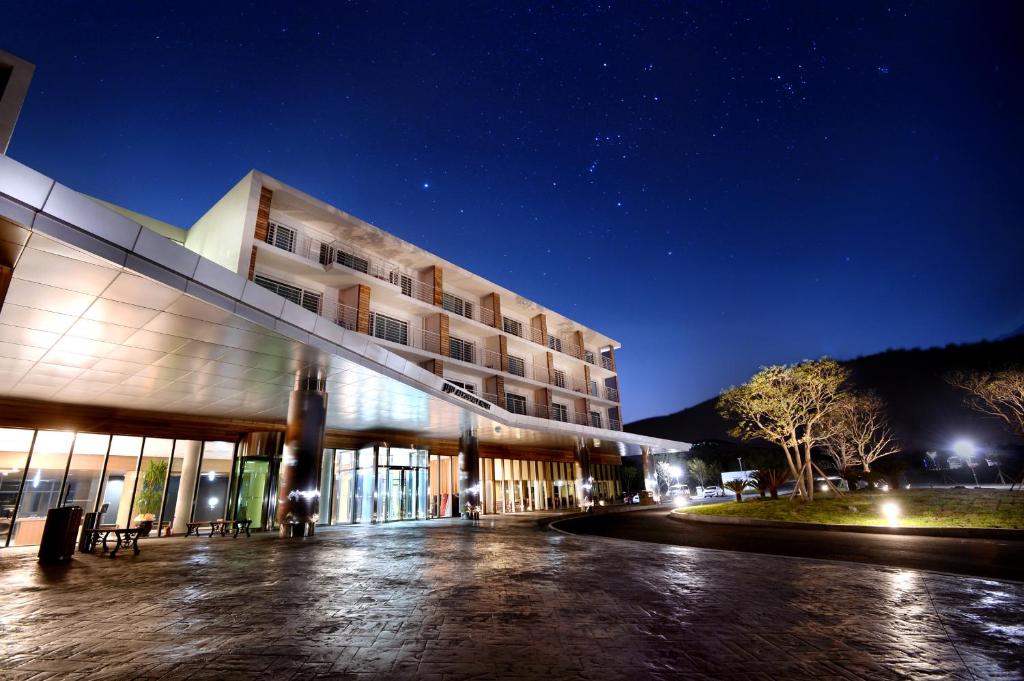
(500,599)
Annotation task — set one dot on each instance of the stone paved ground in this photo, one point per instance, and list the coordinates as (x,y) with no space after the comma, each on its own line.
(443,600)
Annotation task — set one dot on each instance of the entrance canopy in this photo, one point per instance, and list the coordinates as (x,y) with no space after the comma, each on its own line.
(102,311)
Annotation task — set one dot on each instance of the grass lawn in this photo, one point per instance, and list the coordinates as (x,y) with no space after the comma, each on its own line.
(918,508)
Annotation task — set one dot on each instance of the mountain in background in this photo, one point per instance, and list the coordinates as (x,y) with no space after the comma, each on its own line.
(925,412)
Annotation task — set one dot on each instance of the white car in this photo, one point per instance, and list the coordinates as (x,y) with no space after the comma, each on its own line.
(713,491)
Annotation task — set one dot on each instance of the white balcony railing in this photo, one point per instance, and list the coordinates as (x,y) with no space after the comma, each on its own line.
(339,254)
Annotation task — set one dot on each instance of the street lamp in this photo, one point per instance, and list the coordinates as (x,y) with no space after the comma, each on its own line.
(740,459)
(965,450)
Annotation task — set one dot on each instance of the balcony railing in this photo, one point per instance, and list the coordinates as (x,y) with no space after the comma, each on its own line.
(337,253)
(528,407)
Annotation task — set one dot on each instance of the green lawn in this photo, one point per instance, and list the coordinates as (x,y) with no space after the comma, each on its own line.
(918,508)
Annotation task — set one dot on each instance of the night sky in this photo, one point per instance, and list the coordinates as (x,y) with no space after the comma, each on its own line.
(717,187)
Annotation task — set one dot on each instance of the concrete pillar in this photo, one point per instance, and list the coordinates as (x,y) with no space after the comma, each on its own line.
(469,474)
(188,451)
(650,476)
(586,490)
(298,498)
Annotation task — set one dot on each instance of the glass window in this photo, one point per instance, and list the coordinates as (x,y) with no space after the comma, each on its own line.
(389,328)
(516,365)
(559,412)
(281,236)
(344,486)
(555,343)
(456,305)
(326,486)
(149,486)
(119,480)
(42,489)
(352,261)
(595,419)
(512,326)
(83,483)
(15,445)
(461,349)
(214,474)
(515,403)
(365,493)
(559,378)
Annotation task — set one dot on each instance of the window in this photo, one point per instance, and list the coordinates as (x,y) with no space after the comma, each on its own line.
(468,387)
(559,412)
(595,419)
(457,305)
(588,355)
(351,261)
(460,349)
(593,389)
(555,343)
(516,365)
(515,403)
(559,378)
(326,255)
(281,236)
(512,326)
(308,299)
(389,328)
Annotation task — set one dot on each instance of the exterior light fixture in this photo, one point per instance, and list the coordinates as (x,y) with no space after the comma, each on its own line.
(212,502)
(681,501)
(891,512)
(963,448)
(211,476)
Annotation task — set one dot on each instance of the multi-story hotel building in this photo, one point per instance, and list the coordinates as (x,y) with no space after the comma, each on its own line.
(283,362)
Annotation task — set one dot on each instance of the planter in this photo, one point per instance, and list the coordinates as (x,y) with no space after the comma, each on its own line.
(145,527)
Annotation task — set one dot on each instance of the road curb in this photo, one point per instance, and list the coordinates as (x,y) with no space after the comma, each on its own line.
(951,532)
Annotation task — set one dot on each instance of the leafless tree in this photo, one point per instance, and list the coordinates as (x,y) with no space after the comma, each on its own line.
(999,394)
(858,433)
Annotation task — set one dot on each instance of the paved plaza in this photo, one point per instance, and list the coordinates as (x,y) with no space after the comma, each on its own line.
(503,599)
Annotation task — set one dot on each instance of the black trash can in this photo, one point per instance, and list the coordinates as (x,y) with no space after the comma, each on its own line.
(59,534)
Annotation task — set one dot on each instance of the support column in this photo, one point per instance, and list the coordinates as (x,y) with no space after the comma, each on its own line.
(650,476)
(469,474)
(355,315)
(434,276)
(577,339)
(189,450)
(586,491)
(298,497)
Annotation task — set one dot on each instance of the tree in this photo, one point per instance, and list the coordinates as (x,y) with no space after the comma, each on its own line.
(737,487)
(148,501)
(703,471)
(999,394)
(858,434)
(788,405)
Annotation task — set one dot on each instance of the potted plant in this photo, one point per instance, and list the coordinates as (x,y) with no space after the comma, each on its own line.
(148,501)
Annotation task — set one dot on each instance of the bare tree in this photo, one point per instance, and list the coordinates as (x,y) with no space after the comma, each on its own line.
(999,394)
(858,433)
(790,406)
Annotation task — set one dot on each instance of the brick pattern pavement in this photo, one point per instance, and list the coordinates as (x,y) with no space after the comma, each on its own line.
(446,600)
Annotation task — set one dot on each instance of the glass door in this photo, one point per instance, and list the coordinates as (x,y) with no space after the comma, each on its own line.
(252,491)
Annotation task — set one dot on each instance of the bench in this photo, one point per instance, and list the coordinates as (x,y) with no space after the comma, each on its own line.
(232,526)
(123,538)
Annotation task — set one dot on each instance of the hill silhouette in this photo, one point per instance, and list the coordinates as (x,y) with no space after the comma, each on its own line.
(924,410)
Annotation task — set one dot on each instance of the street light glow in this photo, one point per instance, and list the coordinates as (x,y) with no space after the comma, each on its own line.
(964,448)
(891,512)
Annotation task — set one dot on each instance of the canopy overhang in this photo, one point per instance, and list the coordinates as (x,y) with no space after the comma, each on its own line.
(102,311)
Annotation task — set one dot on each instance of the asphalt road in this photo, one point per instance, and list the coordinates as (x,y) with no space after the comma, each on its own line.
(998,559)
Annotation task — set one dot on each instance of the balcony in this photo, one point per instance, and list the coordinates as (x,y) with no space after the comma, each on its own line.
(553,412)
(336,253)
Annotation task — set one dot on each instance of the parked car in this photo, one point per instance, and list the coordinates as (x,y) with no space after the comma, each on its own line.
(713,491)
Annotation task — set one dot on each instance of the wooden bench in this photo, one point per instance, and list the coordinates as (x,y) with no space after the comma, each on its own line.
(233,526)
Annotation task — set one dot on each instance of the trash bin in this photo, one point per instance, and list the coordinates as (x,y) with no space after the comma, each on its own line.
(91,522)
(59,534)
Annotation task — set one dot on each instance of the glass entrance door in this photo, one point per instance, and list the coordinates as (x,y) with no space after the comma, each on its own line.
(401,494)
(252,491)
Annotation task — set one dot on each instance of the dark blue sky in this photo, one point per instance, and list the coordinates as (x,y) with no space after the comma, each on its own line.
(717,187)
